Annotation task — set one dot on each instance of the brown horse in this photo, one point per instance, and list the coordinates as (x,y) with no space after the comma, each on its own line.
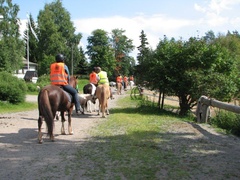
(51,99)
(119,88)
(103,94)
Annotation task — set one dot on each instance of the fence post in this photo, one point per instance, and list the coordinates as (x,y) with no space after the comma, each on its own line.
(203,109)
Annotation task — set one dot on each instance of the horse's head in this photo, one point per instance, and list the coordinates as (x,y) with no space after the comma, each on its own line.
(73,81)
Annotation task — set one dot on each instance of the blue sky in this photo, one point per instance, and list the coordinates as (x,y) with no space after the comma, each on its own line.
(173,18)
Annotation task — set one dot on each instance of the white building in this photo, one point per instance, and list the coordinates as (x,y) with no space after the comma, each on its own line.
(31,72)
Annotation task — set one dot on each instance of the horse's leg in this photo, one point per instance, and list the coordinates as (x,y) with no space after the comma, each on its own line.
(103,111)
(103,106)
(119,89)
(89,106)
(99,107)
(63,120)
(70,130)
(40,121)
(95,105)
(107,111)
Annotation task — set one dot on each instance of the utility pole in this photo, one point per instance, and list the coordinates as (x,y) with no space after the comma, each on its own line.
(72,60)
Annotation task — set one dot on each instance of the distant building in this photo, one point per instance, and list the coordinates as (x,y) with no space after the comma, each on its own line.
(32,71)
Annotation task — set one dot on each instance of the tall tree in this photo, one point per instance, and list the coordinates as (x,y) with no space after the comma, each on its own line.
(122,47)
(190,69)
(142,57)
(11,46)
(83,65)
(100,51)
(56,35)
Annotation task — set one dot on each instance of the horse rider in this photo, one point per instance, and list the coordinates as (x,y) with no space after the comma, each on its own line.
(103,79)
(59,76)
(131,78)
(125,81)
(118,80)
(93,81)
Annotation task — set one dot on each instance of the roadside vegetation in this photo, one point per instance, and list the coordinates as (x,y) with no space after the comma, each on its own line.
(139,141)
(227,121)
(11,108)
(14,100)
(131,139)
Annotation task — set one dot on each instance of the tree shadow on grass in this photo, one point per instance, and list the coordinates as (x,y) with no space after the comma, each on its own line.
(144,110)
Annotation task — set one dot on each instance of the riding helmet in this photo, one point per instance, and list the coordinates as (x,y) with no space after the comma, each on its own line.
(59,58)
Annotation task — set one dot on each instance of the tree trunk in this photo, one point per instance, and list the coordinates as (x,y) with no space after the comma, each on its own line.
(184,106)
(159,99)
(163,96)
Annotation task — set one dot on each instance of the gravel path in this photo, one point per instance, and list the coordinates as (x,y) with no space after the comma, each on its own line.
(21,155)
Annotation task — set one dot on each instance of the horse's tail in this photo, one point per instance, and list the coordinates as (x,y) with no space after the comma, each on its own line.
(46,111)
(105,95)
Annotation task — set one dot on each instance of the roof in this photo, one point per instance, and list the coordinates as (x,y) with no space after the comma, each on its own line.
(30,63)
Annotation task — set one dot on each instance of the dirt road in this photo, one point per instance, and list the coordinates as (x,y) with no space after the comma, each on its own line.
(21,157)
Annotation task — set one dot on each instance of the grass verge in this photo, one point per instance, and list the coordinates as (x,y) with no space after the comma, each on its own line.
(10,108)
(131,144)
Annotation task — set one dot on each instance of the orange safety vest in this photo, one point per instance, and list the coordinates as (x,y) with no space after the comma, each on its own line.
(125,78)
(93,78)
(119,79)
(58,76)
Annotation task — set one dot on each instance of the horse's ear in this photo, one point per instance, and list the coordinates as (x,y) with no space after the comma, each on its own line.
(76,77)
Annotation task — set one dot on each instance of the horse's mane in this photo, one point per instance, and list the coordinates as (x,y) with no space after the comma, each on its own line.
(73,81)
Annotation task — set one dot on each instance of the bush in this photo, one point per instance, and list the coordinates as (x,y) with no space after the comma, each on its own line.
(31,87)
(43,80)
(228,121)
(12,89)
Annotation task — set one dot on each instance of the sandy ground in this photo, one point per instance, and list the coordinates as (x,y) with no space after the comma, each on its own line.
(21,157)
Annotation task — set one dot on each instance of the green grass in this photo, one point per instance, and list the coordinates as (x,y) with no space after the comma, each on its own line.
(130,144)
(81,84)
(7,107)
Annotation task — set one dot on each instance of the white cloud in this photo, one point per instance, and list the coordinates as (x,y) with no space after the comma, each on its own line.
(214,15)
(154,26)
(23,26)
(214,10)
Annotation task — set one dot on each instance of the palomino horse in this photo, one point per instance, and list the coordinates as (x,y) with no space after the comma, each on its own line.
(51,99)
(119,88)
(103,94)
